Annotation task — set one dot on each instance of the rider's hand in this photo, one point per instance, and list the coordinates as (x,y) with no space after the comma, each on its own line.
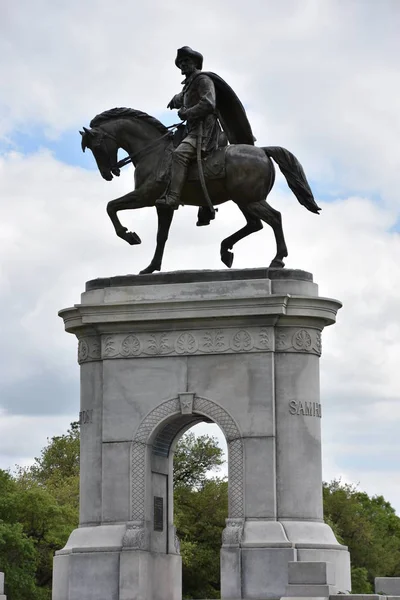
(182,114)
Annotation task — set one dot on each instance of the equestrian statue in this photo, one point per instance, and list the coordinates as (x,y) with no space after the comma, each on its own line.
(210,158)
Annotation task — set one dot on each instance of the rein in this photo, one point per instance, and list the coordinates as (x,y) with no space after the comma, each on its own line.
(128,159)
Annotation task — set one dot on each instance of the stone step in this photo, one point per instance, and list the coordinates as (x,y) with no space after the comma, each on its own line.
(388,585)
(310,591)
(357,597)
(311,573)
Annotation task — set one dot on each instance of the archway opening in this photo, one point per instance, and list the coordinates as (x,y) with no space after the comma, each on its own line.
(197,449)
(152,489)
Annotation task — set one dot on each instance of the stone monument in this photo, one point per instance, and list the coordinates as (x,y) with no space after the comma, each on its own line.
(2,596)
(159,353)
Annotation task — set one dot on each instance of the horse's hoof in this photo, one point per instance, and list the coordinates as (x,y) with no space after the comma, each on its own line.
(277,263)
(148,270)
(132,238)
(227,258)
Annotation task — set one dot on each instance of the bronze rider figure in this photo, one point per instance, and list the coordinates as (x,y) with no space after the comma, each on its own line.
(204,100)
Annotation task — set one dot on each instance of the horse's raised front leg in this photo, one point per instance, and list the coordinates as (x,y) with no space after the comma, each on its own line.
(132,200)
(165,216)
(273,217)
(253,224)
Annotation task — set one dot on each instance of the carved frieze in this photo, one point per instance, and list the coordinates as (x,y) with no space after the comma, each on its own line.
(178,343)
(297,339)
(212,341)
(89,349)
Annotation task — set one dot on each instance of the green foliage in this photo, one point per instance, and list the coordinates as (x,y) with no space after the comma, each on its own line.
(57,468)
(18,561)
(359,581)
(19,557)
(194,458)
(39,509)
(200,510)
(369,527)
(200,515)
(59,458)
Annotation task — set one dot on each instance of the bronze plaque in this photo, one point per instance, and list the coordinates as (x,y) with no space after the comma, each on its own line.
(158,513)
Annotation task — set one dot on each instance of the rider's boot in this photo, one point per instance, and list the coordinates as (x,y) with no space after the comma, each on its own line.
(204,216)
(178,177)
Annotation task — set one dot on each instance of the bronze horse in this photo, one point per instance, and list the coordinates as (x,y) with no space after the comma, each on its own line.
(249,177)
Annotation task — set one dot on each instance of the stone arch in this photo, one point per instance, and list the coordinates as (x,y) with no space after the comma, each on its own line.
(175,419)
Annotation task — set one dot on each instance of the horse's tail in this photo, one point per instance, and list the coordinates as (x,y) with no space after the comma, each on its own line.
(295,176)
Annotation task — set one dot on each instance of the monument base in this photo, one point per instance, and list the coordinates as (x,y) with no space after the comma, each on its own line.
(160,353)
(95,564)
(258,568)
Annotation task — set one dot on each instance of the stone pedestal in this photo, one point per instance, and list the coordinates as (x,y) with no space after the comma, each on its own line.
(160,353)
(2,596)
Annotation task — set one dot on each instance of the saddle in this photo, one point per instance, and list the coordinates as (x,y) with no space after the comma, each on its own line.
(213,164)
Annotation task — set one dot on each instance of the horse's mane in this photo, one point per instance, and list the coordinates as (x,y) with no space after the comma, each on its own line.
(127,113)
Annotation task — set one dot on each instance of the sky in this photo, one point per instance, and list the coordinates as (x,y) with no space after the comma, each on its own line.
(320,78)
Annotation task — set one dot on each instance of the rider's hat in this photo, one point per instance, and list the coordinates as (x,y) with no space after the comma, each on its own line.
(184,52)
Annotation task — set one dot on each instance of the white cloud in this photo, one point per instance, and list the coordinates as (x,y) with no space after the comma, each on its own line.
(20,435)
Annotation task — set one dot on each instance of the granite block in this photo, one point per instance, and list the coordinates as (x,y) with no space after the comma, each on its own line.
(310,591)
(387,585)
(304,573)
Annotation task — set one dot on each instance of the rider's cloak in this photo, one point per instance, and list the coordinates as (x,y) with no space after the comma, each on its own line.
(231,112)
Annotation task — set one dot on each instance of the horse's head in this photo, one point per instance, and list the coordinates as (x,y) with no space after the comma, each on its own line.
(104,147)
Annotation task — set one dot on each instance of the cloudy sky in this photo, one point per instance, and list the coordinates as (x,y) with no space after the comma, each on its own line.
(319,77)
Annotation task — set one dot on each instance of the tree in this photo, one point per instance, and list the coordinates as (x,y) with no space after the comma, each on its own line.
(57,468)
(369,527)
(201,506)
(46,521)
(194,458)
(38,511)
(18,561)
(59,457)
(200,515)
(49,490)
(18,554)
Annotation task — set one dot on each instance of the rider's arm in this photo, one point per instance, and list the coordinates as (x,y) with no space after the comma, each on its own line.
(177,101)
(207,102)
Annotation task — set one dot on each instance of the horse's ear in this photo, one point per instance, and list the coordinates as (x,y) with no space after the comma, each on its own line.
(88,131)
(83,141)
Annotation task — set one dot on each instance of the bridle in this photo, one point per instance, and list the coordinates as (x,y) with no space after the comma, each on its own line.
(128,159)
